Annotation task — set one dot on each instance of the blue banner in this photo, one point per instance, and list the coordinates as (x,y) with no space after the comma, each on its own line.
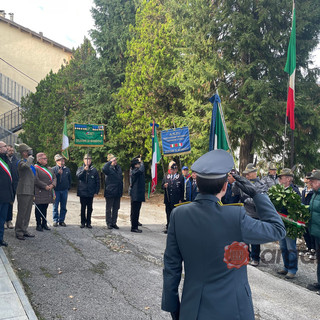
(175,141)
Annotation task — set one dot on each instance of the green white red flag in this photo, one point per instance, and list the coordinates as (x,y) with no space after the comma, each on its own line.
(156,156)
(65,141)
(290,68)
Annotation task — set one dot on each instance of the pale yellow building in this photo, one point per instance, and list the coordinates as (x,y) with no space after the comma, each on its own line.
(26,57)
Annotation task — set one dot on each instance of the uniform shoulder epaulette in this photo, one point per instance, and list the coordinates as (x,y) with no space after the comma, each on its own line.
(238,204)
(182,203)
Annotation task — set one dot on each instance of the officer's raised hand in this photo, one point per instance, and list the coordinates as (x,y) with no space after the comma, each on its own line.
(245,185)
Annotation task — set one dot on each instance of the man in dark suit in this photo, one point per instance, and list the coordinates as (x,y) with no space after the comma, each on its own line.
(202,235)
(137,191)
(6,191)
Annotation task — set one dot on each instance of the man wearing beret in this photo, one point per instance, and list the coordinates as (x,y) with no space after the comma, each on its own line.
(63,176)
(200,235)
(173,186)
(315,222)
(288,245)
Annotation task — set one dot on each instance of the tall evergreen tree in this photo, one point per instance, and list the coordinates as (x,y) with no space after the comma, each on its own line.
(149,91)
(240,48)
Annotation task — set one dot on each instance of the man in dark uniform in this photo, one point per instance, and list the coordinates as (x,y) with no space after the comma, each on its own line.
(137,191)
(173,185)
(200,236)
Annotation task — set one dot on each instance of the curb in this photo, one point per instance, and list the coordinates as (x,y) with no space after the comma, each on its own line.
(18,287)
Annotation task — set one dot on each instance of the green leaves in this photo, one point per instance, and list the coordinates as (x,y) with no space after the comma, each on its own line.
(288,202)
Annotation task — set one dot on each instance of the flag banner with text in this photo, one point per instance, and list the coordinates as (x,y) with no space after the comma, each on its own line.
(175,141)
(88,135)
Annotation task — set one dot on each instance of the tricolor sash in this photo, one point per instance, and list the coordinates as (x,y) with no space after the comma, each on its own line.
(45,170)
(297,223)
(5,167)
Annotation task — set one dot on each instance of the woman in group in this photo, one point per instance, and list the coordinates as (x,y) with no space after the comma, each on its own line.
(88,186)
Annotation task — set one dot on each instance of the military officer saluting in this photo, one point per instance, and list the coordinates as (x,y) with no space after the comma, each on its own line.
(202,234)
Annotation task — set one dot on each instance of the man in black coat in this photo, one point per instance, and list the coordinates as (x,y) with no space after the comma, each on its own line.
(113,190)
(89,185)
(137,191)
(13,164)
(173,185)
(6,191)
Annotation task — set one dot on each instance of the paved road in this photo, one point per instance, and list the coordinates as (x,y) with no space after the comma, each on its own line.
(73,273)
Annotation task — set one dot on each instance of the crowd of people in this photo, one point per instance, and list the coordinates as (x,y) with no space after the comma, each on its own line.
(38,184)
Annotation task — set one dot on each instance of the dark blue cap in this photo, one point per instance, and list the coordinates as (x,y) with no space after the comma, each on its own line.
(214,164)
(185,168)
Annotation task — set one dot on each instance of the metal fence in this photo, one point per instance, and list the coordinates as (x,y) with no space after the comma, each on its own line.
(9,137)
(12,90)
(11,120)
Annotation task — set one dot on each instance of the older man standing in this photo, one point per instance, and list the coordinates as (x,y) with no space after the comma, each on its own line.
(251,174)
(44,193)
(25,191)
(288,245)
(6,191)
(63,176)
(315,222)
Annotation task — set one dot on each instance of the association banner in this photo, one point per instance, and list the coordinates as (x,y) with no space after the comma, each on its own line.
(88,135)
(175,141)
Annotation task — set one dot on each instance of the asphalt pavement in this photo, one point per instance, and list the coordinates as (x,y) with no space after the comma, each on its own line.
(73,273)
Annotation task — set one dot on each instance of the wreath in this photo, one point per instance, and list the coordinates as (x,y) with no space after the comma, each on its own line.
(294,214)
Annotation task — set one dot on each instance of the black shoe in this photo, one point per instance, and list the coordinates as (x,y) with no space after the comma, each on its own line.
(165,231)
(139,224)
(89,226)
(313,286)
(136,230)
(114,226)
(46,228)
(82,225)
(110,226)
(39,228)
(62,224)
(282,272)
(29,235)
(3,244)
(20,237)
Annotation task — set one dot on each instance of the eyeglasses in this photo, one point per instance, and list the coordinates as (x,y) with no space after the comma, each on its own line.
(3,146)
(44,158)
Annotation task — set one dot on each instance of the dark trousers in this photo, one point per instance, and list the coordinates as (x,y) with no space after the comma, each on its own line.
(3,214)
(255,252)
(86,202)
(135,212)
(169,208)
(317,242)
(112,208)
(41,218)
(9,214)
(309,239)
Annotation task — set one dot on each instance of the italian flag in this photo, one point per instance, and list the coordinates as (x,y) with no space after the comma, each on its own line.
(65,140)
(156,156)
(290,68)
